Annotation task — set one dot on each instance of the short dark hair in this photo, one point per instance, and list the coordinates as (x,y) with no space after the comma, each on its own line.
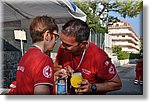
(40,25)
(77,28)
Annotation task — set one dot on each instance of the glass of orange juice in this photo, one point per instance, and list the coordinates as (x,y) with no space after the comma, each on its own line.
(75,79)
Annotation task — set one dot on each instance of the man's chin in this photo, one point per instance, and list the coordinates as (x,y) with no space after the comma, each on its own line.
(51,49)
(68,51)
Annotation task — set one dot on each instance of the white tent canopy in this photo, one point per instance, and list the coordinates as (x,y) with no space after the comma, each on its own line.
(61,10)
(12,12)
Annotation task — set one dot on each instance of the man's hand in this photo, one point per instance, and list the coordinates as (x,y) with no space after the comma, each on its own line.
(85,86)
(62,73)
(69,70)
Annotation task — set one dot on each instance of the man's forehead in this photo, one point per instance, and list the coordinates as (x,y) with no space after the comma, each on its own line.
(70,40)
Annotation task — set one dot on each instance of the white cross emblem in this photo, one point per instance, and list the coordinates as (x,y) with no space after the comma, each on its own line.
(47,71)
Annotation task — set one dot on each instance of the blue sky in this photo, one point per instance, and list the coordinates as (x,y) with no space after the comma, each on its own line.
(135,22)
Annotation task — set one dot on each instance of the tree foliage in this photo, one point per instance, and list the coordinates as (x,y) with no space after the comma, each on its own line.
(130,8)
(89,8)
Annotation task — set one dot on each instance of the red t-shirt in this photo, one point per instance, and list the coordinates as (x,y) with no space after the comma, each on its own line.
(34,68)
(95,67)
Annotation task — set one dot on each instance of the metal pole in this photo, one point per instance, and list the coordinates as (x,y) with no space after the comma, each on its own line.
(21,47)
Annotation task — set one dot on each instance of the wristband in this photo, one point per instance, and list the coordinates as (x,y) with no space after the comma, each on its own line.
(93,88)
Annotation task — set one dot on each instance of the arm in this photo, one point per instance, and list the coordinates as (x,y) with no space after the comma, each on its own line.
(42,90)
(57,67)
(110,85)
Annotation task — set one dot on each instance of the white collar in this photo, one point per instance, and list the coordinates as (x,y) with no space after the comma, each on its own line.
(38,47)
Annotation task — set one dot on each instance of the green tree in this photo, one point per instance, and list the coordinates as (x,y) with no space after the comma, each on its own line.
(130,8)
(89,8)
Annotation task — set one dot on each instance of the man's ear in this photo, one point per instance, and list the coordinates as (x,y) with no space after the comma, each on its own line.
(84,43)
(46,35)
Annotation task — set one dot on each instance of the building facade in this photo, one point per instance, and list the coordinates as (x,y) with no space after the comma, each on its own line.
(124,36)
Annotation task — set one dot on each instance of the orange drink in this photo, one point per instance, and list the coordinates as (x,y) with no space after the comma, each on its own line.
(75,79)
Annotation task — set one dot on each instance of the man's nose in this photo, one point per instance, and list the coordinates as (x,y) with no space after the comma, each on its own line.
(62,46)
(66,48)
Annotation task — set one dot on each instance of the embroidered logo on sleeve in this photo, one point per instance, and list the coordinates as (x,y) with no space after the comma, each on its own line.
(47,71)
(106,63)
(111,70)
(21,68)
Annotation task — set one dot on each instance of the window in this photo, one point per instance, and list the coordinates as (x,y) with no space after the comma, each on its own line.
(123,35)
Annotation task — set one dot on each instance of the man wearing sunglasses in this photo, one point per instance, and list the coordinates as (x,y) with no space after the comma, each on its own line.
(35,72)
(77,54)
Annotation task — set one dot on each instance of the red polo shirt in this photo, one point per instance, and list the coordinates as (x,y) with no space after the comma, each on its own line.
(34,68)
(95,67)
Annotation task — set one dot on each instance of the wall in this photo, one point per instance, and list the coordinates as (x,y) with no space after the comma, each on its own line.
(117,62)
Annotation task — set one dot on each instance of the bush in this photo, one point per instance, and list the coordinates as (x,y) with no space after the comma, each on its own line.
(134,56)
(123,55)
(116,49)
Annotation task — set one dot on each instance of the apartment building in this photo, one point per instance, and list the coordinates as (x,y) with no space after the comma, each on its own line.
(123,35)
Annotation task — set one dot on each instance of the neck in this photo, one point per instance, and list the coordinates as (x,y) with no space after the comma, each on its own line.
(80,52)
(39,45)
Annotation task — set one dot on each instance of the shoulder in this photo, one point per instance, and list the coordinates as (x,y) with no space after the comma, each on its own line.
(94,49)
(39,56)
(46,58)
(96,54)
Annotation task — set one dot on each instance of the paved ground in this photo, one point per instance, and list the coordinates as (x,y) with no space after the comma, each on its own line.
(127,75)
